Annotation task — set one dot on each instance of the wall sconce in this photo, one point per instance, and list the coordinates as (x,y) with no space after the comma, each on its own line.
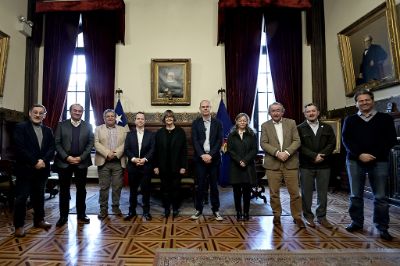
(25,26)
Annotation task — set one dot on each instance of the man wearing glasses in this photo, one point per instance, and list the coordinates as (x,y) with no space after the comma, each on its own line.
(34,146)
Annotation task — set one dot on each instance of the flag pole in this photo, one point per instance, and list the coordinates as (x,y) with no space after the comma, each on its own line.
(222,91)
(119,91)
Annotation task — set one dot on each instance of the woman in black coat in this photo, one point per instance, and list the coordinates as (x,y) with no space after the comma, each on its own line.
(170,161)
(242,148)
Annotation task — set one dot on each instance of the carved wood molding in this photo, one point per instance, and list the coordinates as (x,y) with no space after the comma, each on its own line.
(11,115)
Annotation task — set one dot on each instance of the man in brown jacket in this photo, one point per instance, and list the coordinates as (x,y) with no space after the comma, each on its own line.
(280,141)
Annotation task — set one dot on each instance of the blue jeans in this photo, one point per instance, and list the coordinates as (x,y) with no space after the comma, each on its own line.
(378,175)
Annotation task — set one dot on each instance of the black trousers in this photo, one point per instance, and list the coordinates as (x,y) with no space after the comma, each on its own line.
(207,175)
(170,189)
(242,191)
(139,178)
(29,186)
(65,178)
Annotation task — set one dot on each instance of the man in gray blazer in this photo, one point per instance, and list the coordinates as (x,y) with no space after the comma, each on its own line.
(109,141)
(280,141)
(74,141)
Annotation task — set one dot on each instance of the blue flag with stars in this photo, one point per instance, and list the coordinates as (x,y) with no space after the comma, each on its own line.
(223,116)
(121,117)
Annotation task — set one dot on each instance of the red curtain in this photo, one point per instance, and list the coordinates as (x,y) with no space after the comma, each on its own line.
(224,5)
(242,51)
(100,59)
(117,6)
(285,55)
(61,30)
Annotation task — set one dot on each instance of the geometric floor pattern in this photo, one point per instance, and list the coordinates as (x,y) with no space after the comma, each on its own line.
(114,241)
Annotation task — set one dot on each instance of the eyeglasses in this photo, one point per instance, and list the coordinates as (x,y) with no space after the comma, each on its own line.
(38,113)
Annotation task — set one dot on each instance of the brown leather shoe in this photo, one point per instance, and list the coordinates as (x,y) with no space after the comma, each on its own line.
(276,220)
(310,222)
(19,232)
(325,223)
(43,224)
(299,222)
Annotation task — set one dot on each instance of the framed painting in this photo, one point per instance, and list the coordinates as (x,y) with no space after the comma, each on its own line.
(336,125)
(4,46)
(170,81)
(369,50)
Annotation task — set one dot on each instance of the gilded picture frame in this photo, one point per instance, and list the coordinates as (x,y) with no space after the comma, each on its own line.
(336,125)
(377,66)
(4,47)
(170,81)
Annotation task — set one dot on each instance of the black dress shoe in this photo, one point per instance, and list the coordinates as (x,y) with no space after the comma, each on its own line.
(147,216)
(246,216)
(239,216)
(385,235)
(62,221)
(129,216)
(167,212)
(83,219)
(353,227)
(42,224)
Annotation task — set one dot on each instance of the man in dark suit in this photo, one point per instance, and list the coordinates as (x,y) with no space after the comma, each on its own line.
(139,149)
(317,144)
(74,141)
(280,141)
(34,145)
(373,58)
(207,138)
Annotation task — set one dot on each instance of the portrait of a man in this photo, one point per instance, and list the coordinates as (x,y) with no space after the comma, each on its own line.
(373,58)
(170,82)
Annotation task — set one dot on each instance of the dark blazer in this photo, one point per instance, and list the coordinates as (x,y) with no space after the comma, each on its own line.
(132,149)
(175,159)
(28,151)
(199,137)
(242,150)
(324,142)
(63,139)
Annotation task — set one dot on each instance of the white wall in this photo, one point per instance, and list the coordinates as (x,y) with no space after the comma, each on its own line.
(340,14)
(13,97)
(170,29)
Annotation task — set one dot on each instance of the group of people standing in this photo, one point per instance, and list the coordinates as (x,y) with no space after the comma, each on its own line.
(290,151)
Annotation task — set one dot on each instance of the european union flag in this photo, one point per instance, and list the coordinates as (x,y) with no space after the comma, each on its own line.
(223,116)
(121,117)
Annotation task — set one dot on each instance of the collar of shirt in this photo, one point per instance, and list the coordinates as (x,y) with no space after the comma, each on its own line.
(140,131)
(76,123)
(276,123)
(313,124)
(369,115)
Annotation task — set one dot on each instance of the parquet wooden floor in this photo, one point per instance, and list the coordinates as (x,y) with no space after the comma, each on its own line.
(118,242)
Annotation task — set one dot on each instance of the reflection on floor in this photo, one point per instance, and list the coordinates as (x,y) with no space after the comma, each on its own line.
(118,242)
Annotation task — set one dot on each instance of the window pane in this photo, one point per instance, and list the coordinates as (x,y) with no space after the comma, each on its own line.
(71,98)
(73,68)
(80,98)
(79,41)
(262,102)
(72,82)
(81,68)
(81,82)
(271,98)
(262,67)
(261,83)
(262,117)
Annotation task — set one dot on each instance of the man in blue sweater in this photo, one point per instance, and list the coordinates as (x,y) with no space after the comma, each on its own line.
(368,137)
